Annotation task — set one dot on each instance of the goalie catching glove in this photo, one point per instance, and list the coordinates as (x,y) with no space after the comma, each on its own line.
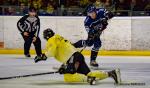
(43,57)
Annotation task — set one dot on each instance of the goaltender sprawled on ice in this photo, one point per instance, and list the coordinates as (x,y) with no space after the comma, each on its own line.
(74,67)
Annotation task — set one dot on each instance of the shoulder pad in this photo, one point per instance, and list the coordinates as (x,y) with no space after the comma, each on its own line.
(87,21)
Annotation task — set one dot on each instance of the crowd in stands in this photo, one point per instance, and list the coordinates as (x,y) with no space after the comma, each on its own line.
(73,7)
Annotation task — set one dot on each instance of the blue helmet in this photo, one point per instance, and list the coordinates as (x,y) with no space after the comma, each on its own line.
(91,9)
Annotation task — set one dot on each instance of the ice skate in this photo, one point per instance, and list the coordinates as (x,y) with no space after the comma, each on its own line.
(115,74)
(91,80)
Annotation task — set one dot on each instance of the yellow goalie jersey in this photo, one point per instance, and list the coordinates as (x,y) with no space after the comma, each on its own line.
(59,48)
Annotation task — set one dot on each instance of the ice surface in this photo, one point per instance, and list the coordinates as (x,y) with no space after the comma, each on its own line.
(133,69)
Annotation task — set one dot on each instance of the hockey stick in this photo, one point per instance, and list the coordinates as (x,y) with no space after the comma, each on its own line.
(30,75)
(82,49)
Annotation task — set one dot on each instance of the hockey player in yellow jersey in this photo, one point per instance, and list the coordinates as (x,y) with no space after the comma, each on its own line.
(74,67)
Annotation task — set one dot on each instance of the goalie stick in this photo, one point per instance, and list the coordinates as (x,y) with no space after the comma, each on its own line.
(29,75)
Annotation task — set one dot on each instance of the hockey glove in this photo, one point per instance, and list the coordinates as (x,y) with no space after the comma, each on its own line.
(62,69)
(110,15)
(104,23)
(67,69)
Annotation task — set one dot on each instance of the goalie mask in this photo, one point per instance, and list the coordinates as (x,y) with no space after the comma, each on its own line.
(48,33)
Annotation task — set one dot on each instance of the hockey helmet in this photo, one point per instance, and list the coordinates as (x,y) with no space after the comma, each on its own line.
(91,9)
(48,33)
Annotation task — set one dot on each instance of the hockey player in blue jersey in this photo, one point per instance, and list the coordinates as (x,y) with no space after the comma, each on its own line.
(95,23)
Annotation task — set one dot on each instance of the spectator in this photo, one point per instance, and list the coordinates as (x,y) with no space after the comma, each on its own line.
(98,4)
(42,10)
(10,11)
(13,2)
(29,3)
(84,3)
(108,2)
(62,3)
(39,3)
(35,4)
(122,7)
(53,3)
(139,5)
(109,5)
(1,2)
(22,10)
(72,3)
(26,2)
(50,9)
(6,3)
(123,4)
(147,9)
(1,11)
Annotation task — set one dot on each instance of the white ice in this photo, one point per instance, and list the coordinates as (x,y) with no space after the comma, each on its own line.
(133,69)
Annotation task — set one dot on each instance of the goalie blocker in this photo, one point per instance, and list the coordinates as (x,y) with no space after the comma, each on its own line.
(74,68)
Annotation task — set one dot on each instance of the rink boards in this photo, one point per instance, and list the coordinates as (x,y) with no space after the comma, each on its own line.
(122,33)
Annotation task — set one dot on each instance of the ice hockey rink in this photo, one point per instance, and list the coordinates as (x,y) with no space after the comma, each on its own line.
(135,70)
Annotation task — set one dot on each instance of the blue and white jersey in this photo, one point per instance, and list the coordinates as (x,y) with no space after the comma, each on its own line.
(95,24)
